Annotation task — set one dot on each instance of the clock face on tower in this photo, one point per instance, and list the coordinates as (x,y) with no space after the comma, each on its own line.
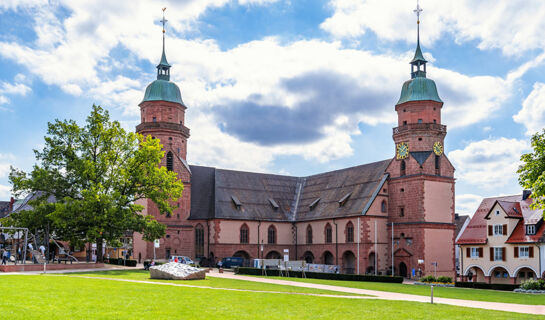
(402,150)
(438,148)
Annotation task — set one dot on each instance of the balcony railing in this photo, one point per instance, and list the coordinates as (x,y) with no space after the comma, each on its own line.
(163,125)
(420,126)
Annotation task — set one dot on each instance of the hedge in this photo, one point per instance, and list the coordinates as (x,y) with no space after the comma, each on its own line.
(320,275)
(484,285)
(121,262)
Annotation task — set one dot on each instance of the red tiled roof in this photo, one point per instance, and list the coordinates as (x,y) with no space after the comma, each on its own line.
(519,234)
(475,232)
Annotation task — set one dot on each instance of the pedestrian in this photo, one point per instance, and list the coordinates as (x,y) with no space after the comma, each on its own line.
(4,256)
(42,250)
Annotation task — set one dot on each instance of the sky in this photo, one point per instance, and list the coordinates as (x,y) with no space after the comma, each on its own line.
(282,86)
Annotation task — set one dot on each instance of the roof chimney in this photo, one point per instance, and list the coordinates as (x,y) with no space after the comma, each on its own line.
(526,194)
(11,202)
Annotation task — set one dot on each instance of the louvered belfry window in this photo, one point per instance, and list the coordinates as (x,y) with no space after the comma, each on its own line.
(170,161)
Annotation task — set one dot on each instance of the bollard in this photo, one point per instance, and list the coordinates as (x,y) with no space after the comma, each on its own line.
(432,294)
(44,267)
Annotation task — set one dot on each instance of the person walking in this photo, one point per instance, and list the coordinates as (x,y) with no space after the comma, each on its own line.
(4,256)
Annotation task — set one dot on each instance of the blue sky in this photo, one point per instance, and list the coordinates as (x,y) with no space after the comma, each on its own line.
(291,87)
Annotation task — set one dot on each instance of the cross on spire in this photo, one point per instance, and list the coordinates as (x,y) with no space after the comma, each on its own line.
(418,62)
(163,69)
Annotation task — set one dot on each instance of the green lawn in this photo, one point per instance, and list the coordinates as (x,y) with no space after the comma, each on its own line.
(208,282)
(62,297)
(454,293)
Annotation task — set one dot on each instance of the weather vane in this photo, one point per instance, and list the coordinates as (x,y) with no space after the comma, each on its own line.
(417,11)
(164,20)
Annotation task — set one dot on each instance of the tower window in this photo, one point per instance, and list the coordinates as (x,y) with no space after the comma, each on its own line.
(154,119)
(405,122)
(170,161)
(170,138)
(383,206)
(437,165)
(419,139)
(419,120)
(401,212)
(402,168)
(434,121)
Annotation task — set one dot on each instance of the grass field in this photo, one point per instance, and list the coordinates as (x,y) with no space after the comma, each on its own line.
(212,282)
(453,293)
(67,297)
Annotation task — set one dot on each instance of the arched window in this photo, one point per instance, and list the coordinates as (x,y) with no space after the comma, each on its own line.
(349,232)
(271,235)
(199,241)
(402,168)
(328,233)
(309,234)
(383,206)
(438,165)
(170,161)
(244,234)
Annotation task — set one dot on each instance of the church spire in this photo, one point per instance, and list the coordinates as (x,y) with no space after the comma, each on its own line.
(418,60)
(163,69)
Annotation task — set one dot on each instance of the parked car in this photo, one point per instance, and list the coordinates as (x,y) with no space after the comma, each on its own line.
(181,259)
(231,262)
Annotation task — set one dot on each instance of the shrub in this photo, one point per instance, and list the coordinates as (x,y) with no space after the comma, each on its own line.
(320,275)
(444,279)
(483,285)
(429,278)
(532,284)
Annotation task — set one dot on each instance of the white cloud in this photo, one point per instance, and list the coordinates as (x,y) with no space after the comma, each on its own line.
(5,161)
(5,192)
(467,204)
(513,26)
(532,114)
(11,89)
(489,164)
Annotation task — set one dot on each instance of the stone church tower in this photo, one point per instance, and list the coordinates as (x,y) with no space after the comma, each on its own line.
(162,117)
(421,183)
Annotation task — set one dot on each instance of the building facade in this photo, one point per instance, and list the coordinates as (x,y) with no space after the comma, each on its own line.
(358,218)
(504,242)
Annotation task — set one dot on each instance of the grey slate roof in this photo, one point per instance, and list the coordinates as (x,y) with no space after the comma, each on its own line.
(213,190)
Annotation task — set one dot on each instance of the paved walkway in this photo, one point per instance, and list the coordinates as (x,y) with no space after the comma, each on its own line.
(509,307)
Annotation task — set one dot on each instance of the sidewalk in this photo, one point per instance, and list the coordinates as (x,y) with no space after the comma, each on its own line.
(509,307)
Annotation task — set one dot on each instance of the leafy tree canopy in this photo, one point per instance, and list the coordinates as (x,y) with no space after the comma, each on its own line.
(532,171)
(97,174)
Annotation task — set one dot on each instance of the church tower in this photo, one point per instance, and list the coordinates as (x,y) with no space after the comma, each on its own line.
(162,117)
(421,182)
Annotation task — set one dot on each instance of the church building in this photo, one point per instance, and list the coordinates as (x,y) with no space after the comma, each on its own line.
(359,218)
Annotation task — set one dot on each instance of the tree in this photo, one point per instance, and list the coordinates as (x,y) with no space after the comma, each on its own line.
(97,174)
(532,171)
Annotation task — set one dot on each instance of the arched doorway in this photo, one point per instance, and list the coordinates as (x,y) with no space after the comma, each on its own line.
(524,274)
(308,257)
(475,274)
(273,255)
(371,263)
(403,269)
(328,258)
(499,275)
(244,255)
(349,262)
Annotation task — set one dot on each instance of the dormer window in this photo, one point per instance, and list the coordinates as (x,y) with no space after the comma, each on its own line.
(313,205)
(273,203)
(343,200)
(531,229)
(236,202)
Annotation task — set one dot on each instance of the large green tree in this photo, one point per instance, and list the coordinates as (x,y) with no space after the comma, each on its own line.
(532,171)
(97,173)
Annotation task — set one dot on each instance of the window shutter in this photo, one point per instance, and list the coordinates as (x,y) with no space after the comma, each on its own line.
(468,252)
(480,252)
(504,229)
(489,230)
(516,252)
(491,254)
(503,253)
(531,252)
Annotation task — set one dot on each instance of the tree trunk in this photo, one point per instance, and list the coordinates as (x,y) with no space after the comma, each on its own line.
(100,257)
